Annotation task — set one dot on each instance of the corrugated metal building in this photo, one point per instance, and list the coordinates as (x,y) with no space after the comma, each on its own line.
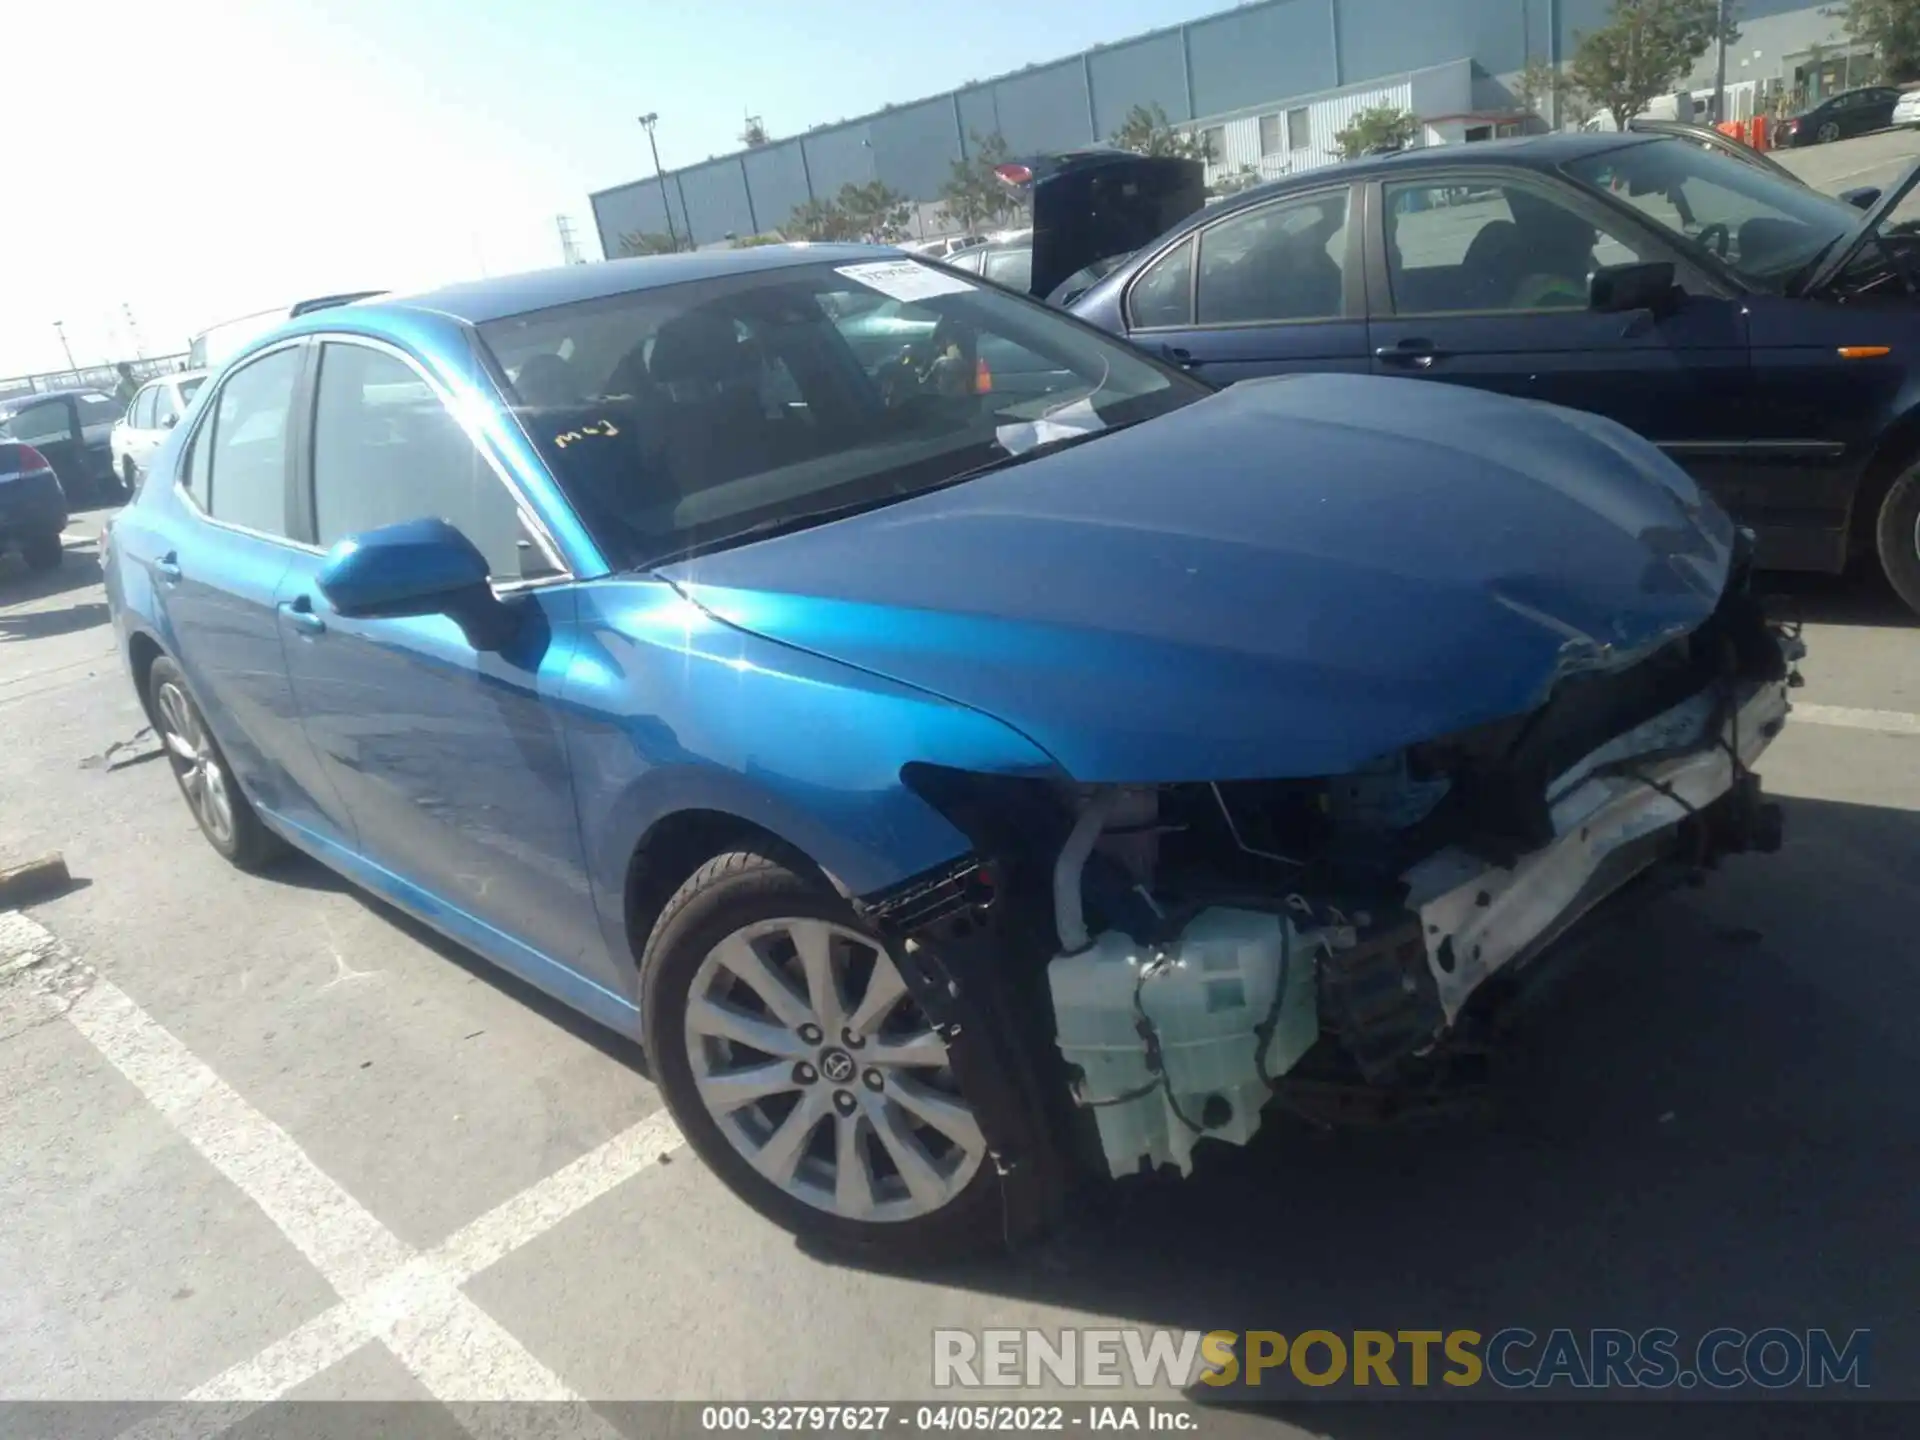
(1275,77)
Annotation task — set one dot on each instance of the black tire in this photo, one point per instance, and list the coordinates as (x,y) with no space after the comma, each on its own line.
(727,893)
(1829,133)
(247,843)
(42,552)
(1897,537)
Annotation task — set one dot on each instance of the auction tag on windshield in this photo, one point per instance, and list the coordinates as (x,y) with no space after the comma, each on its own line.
(904,279)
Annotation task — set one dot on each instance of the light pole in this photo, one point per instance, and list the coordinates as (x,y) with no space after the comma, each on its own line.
(647,121)
(60,329)
(1720,64)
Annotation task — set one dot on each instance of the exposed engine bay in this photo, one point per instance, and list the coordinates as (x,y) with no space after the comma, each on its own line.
(1204,950)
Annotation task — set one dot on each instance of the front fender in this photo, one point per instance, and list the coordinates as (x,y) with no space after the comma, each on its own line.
(670,710)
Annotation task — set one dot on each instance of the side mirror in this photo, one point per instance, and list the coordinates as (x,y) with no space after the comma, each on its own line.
(419,567)
(169,421)
(1861,197)
(1619,289)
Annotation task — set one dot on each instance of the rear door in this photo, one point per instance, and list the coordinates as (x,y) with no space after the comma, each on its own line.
(1478,277)
(216,575)
(1264,290)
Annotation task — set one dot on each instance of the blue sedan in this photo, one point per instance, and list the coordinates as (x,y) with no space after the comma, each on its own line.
(961,783)
(1761,333)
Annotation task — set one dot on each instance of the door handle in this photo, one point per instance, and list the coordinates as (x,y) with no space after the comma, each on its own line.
(1419,354)
(1178,354)
(299,613)
(167,567)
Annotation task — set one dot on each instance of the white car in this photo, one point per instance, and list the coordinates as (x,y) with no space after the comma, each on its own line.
(1906,110)
(156,409)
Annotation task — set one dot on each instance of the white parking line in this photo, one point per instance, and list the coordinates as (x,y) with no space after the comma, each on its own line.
(1894,722)
(411,1302)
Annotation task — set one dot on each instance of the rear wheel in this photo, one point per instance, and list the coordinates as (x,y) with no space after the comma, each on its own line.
(1829,132)
(1897,537)
(42,552)
(805,1075)
(205,779)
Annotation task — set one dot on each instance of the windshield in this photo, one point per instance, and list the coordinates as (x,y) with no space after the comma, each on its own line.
(692,415)
(1766,229)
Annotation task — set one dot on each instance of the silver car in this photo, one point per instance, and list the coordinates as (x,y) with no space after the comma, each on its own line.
(156,409)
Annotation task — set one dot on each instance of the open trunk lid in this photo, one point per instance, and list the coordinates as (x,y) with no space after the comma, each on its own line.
(1089,205)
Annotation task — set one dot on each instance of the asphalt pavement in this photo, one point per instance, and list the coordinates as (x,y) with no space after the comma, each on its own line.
(263,1138)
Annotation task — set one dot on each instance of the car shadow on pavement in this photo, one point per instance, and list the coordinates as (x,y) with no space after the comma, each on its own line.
(1861,598)
(44,624)
(306,873)
(1709,1124)
(19,585)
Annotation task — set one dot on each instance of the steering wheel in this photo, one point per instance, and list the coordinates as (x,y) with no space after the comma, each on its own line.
(1717,238)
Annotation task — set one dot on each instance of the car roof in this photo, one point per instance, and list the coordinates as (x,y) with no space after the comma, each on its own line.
(478,301)
(20,402)
(1535,152)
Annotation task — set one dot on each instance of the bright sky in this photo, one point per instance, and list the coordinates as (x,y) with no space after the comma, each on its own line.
(207,158)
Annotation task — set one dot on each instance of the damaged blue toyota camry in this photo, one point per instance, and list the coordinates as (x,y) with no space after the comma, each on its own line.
(973,758)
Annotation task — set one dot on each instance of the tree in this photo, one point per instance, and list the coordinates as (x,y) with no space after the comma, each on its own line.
(1384,127)
(875,211)
(820,220)
(1892,28)
(1645,49)
(1541,90)
(646,242)
(974,194)
(755,135)
(1148,131)
(858,212)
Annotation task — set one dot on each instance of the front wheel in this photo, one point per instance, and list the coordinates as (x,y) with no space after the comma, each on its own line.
(206,780)
(1897,537)
(804,1074)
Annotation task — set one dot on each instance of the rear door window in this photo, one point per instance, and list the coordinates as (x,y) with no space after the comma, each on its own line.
(248,451)
(1284,261)
(45,424)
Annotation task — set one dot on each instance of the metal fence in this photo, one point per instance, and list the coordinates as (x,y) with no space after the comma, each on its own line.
(93,377)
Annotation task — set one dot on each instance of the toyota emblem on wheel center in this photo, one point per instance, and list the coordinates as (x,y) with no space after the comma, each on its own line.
(837,1066)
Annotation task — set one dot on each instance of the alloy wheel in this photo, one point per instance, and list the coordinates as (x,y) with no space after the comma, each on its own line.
(1829,133)
(823,1073)
(196,763)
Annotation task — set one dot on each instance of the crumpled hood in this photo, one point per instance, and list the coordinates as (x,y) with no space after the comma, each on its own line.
(1289,578)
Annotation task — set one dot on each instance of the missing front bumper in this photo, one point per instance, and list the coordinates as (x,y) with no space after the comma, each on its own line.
(1613,818)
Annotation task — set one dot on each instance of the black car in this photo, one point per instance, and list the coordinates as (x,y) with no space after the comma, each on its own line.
(1851,112)
(1766,335)
(33,507)
(72,428)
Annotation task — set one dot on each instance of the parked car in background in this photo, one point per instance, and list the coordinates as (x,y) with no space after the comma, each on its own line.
(211,348)
(1005,262)
(1906,110)
(943,247)
(951,785)
(1762,333)
(1851,112)
(156,409)
(33,507)
(73,430)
